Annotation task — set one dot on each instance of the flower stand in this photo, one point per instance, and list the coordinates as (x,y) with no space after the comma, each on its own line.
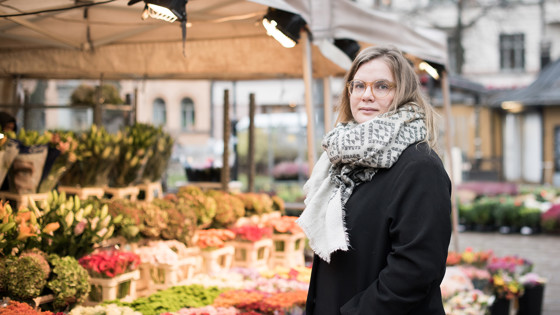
(252,254)
(120,287)
(288,250)
(217,260)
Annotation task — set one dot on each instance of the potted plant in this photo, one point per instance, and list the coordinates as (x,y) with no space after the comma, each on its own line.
(69,282)
(113,274)
(506,215)
(530,220)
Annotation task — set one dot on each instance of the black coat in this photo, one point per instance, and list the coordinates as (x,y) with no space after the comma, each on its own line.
(399,226)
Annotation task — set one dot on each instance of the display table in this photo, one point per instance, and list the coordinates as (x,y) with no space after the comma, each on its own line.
(22,200)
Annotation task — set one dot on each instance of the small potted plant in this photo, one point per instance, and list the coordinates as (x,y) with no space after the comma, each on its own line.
(113,274)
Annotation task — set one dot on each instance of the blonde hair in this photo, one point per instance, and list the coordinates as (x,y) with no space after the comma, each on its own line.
(407,88)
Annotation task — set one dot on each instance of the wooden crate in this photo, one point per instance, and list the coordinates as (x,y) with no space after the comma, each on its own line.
(83,192)
(162,276)
(121,287)
(22,200)
(217,260)
(252,254)
(151,190)
(287,250)
(130,192)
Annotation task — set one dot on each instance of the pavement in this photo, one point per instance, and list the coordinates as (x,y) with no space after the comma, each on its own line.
(542,249)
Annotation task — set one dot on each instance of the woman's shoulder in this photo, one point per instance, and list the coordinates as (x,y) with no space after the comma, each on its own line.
(419,157)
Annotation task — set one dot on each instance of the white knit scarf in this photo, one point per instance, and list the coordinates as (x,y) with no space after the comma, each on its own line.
(353,154)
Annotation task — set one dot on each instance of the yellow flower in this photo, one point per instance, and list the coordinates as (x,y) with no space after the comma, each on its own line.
(513,288)
(498,281)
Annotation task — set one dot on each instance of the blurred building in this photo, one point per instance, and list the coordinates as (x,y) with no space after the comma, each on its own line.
(501,46)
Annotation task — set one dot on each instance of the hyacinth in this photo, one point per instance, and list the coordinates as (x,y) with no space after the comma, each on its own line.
(162,252)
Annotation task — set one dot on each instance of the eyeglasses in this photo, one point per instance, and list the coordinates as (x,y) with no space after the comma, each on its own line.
(379,88)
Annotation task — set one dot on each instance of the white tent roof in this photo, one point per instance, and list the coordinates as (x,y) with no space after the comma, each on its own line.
(225,39)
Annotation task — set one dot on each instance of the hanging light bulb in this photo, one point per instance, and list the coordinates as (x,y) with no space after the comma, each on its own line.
(166,10)
(284,26)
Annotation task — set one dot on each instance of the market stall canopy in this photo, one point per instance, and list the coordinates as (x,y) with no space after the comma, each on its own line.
(225,39)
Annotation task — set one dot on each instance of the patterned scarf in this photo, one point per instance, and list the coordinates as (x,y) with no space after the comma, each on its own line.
(353,154)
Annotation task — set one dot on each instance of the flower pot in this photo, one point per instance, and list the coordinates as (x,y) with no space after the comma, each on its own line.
(162,276)
(501,306)
(217,260)
(252,254)
(120,287)
(532,300)
(288,250)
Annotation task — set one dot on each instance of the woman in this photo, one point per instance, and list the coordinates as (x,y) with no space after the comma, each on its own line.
(378,201)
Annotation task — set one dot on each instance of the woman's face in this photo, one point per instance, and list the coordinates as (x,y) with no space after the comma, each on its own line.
(372,90)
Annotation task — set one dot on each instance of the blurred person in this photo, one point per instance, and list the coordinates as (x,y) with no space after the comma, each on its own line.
(7,122)
(378,201)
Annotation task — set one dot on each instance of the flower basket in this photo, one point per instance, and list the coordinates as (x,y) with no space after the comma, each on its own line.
(217,260)
(120,287)
(160,276)
(252,254)
(288,250)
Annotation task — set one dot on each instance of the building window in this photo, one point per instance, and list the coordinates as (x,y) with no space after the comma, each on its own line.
(187,114)
(512,51)
(159,112)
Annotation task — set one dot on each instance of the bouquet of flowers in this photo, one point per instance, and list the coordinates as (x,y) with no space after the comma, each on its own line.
(251,232)
(509,264)
(213,238)
(284,225)
(109,263)
(506,285)
(469,302)
(60,156)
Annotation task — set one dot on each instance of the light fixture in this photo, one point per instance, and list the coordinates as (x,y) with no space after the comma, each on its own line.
(424,66)
(167,10)
(512,106)
(284,26)
(349,46)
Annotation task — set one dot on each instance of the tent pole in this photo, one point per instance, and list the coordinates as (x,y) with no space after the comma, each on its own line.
(327,103)
(448,147)
(251,158)
(307,80)
(227,132)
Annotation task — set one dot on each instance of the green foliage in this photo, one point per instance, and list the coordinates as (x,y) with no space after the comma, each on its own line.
(483,210)
(86,95)
(507,212)
(530,217)
(69,281)
(173,299)
(24,278)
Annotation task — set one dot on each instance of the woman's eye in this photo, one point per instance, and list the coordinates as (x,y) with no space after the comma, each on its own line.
(359,86)
(381,86)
